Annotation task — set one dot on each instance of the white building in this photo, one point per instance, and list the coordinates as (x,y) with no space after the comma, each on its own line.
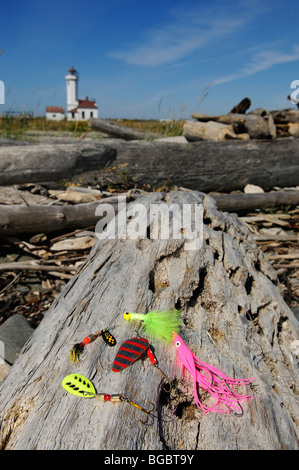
(54,113)
(78,110)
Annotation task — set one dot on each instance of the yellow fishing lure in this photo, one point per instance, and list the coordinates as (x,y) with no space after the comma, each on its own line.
(159,324)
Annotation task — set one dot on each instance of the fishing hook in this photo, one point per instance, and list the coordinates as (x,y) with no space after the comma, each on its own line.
(231,409)
(145,411)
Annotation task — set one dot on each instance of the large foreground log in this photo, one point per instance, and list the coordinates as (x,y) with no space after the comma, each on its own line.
(213,166)
(205,166)
(234,318)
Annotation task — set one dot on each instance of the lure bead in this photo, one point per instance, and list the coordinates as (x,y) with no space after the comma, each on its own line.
(86,340)
(107,397)
(151,356)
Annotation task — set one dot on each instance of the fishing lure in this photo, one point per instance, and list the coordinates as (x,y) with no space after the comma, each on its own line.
(133,349)
(82,387)
(159,324)
(211,380)
(78,348)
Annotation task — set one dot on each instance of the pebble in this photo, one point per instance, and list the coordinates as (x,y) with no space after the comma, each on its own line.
(14,333)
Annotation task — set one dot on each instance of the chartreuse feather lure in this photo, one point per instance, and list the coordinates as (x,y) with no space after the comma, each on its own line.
(159,324)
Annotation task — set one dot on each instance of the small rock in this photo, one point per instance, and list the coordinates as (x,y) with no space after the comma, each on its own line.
(252,188)
(14,333)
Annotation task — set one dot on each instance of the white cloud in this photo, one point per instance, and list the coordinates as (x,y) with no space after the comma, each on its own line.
(185,33)
(263,60)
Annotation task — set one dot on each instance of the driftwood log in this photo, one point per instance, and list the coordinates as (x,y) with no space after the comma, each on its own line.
(36,163)
(32,219)
(285,116)
(257,127)
(209,130)
(205,166)
(213,166)
(29,219)
(119,131)
(241,107)
(241,202)
(234,318)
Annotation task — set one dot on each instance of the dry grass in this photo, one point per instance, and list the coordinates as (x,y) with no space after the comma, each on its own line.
(15,127)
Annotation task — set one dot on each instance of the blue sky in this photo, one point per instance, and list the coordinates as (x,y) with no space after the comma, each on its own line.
(157,59)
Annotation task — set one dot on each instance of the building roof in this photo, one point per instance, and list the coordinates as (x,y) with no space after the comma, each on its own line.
(84,104)
(54,109)
(87,103)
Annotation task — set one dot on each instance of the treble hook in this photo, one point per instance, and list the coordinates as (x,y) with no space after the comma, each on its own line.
(146,412)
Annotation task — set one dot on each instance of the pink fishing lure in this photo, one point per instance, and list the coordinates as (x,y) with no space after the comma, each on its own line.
(211,380)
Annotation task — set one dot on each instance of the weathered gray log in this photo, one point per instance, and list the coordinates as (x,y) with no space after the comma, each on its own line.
(32,219)
(234,318)
(205,166)
(213,166)
(241,202)
(36,163)
(122,132)
(256,126)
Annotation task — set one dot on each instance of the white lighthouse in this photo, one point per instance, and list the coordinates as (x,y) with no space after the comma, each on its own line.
(78,110)
(72,89)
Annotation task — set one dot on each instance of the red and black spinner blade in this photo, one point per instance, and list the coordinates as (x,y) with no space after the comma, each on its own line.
(129,352)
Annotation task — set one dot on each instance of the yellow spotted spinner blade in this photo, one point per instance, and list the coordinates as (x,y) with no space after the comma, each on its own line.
(78,385)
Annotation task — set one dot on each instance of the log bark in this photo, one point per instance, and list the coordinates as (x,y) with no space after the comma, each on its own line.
(119,131)
(36,163)
(234,318)
(32,219)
